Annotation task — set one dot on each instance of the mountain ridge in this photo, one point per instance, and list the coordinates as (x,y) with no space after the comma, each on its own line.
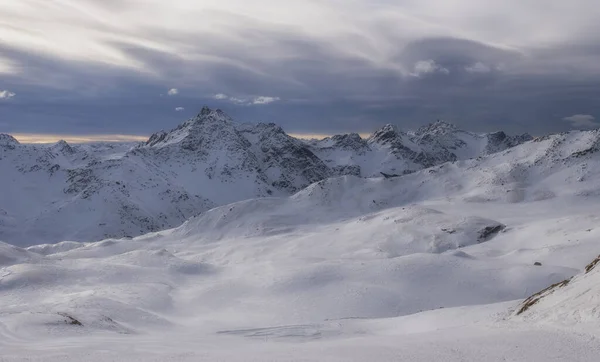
(125,190)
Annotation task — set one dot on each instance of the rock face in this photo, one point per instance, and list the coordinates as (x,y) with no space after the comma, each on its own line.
(287,163)
(392,151)
(7,141)
(95,191)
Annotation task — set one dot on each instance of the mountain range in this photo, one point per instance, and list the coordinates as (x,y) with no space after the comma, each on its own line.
(94,191)
(472,247)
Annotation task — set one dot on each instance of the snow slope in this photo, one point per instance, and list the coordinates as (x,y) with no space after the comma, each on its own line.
(417,268)
(53,193)
(571,302)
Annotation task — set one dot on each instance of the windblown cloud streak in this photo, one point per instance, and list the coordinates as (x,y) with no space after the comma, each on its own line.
(313,65)
(260,100)
(582,121)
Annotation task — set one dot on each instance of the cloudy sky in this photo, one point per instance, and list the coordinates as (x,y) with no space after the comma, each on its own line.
(131,67)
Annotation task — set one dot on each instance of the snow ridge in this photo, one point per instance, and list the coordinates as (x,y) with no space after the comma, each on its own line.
(92,192)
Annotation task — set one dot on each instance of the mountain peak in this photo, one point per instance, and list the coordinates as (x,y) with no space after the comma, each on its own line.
(210,125)
(63,146)
(208,114)
(8,140)
(205,111)
(387,134)
(438,127)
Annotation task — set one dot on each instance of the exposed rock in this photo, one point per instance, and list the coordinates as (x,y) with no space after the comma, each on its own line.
(592,265)
(206,161)
(8,141)
(531,301)
(70,320)
(490,231)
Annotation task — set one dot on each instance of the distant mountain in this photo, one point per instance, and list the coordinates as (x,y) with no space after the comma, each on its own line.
(393,151)
(89,192)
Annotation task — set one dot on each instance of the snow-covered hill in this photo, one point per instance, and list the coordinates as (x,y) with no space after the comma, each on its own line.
(62,192)
(571,302)
(427,266)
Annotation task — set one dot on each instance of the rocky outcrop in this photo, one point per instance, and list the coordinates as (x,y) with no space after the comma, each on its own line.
(208,160)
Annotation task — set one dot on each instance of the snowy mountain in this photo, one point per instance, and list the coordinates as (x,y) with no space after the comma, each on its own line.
(393,151)
(91,192)
(433,265)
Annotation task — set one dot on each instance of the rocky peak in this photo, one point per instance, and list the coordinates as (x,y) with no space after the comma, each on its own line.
(208,115)
(8,140)
(499,141)
(262,129)
(349,141)
(289,161)
(63,147)
(387,135)
(156,138)
(497,137)
(349,138)
(205,111)
(439,127)
(525,137)
(208,127)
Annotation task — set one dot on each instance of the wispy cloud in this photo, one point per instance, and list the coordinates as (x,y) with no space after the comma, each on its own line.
(7,66)
(173,91)
(415,60)
(4,94)
(478,67)
(586,121)
(179,109)
(238,100)
(260,100)
(429,66)
(265,100)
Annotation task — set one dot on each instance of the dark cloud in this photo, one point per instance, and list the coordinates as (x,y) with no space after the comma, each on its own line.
(356,81)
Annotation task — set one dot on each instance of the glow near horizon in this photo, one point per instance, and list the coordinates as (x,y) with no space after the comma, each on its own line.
(41,138)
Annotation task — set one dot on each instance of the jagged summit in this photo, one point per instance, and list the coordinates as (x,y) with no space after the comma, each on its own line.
(8,140)
(388,134)
(208,114)
(63,147)
(208,124)
(256,128)
(348,141)
(499,141)
(205,111)
(209,160)
(438,127)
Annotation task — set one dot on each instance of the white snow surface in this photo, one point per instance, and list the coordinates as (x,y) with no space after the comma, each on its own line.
(430,266)
(53,193)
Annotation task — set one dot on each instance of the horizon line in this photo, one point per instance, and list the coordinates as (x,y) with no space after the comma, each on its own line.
(46,138)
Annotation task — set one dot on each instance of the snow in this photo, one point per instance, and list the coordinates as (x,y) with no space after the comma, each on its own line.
(430,266)
(102,190)
(250,279)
